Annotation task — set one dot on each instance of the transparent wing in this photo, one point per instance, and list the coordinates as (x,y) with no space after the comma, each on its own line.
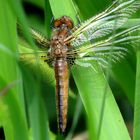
(104,23)
(34,56)
(26,53)
(25,50)
(104,57)
(40,40)
(113,47)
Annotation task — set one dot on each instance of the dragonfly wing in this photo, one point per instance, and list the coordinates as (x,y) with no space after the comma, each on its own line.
(25,50)
(39,38)
(104,56)
(113,48)
(33,56)
(104,23)
(27,54)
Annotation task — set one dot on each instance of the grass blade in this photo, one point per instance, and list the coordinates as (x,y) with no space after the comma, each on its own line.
(137,100)
(13,108)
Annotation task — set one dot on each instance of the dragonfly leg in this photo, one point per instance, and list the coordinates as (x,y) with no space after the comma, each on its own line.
(51,23)
(71,61)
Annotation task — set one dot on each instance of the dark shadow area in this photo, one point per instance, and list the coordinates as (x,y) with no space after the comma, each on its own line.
(32,9)
(2,137)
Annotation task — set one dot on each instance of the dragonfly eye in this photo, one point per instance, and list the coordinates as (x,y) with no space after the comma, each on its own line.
(57,23)
(70,24)
(67,21)
(63,21)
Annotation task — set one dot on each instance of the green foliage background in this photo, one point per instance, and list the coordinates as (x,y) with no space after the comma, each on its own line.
(27,89)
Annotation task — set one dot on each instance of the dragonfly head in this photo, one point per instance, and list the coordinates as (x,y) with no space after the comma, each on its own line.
(63,21)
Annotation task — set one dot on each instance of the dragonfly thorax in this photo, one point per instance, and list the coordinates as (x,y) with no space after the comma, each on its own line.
(58,51)
(58,47)
(61,31)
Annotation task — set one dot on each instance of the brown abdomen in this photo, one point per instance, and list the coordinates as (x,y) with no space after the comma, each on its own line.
(61,75)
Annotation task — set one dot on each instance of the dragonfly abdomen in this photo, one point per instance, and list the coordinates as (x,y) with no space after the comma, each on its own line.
(61,75)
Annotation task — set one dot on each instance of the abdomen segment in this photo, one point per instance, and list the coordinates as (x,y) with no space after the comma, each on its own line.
(61,75)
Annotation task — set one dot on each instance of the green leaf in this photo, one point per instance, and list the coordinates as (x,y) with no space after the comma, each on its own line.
(136,134)
(104,116)
(137,100)
(12,117)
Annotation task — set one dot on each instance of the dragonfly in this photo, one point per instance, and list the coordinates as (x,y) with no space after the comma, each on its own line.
(91,40)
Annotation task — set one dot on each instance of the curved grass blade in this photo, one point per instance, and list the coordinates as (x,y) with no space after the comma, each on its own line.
(136,134)
(14,111)
(11,114)
(136,128)
(36,109)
